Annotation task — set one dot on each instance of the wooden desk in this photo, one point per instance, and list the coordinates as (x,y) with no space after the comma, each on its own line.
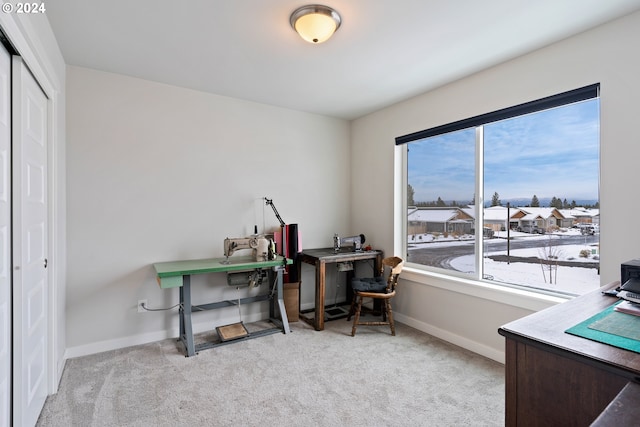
(178,274)
(557,379)
(320,258)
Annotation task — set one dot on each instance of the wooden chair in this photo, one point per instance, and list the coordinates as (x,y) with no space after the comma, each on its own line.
(378,289)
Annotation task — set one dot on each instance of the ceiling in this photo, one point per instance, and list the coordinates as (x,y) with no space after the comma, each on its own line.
(384,52)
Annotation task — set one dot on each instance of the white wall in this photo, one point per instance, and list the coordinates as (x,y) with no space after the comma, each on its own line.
(160,173)
(608,55)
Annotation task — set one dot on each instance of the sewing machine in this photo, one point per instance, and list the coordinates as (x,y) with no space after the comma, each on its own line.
(356,241)
(264,249)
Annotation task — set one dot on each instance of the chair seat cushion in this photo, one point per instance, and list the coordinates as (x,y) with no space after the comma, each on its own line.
(369,284)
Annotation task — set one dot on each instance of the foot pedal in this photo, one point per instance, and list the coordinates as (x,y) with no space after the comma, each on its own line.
(232,331)
(335,312)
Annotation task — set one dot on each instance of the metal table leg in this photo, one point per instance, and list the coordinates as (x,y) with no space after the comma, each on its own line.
(283,311)
(186,328)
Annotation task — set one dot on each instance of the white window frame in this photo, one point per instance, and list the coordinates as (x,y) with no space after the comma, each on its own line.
(518,296)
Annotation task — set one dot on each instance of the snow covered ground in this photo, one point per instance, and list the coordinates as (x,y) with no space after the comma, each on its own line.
(574,280)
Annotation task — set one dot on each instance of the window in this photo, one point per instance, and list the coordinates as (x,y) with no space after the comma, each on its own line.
(509,197)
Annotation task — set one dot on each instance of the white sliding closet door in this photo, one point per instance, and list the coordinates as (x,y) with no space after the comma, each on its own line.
(5,237)
(30,285)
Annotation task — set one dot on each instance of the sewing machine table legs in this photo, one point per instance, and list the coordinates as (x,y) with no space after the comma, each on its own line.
(185,312)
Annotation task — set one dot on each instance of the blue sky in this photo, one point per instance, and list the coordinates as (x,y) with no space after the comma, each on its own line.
(550,153)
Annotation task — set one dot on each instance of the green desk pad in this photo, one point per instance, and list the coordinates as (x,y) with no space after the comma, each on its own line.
(611,327)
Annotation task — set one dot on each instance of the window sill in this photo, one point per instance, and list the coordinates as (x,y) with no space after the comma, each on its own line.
(503,294)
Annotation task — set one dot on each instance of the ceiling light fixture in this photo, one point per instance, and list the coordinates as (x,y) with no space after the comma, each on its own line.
(315,23)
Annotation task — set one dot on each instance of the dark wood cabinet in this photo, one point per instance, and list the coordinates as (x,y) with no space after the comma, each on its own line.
(557,379)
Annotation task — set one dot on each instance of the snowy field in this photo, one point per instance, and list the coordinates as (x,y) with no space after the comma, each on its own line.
(574,280)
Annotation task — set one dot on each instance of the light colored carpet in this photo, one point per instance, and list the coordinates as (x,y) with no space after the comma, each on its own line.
(306,378)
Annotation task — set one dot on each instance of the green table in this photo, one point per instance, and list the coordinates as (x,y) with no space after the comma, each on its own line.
(174,274)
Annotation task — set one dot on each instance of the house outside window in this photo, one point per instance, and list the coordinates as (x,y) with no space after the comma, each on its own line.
(509,197)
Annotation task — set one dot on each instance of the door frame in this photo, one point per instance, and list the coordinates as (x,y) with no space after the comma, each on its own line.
(42,56)
(6,295)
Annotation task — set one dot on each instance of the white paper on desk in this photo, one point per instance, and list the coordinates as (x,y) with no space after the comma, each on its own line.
(628,307)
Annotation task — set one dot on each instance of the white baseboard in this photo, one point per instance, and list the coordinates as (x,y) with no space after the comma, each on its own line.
(108,345)
(463,342)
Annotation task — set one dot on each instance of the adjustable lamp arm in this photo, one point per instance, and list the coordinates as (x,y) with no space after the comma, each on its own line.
(275,211)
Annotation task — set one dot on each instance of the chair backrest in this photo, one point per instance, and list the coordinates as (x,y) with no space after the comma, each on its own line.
(394,264)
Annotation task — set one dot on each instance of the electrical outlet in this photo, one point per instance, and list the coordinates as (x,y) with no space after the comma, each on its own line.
(141,303)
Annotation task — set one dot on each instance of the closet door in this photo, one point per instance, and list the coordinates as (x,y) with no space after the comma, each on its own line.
(5,238)
(30,284)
